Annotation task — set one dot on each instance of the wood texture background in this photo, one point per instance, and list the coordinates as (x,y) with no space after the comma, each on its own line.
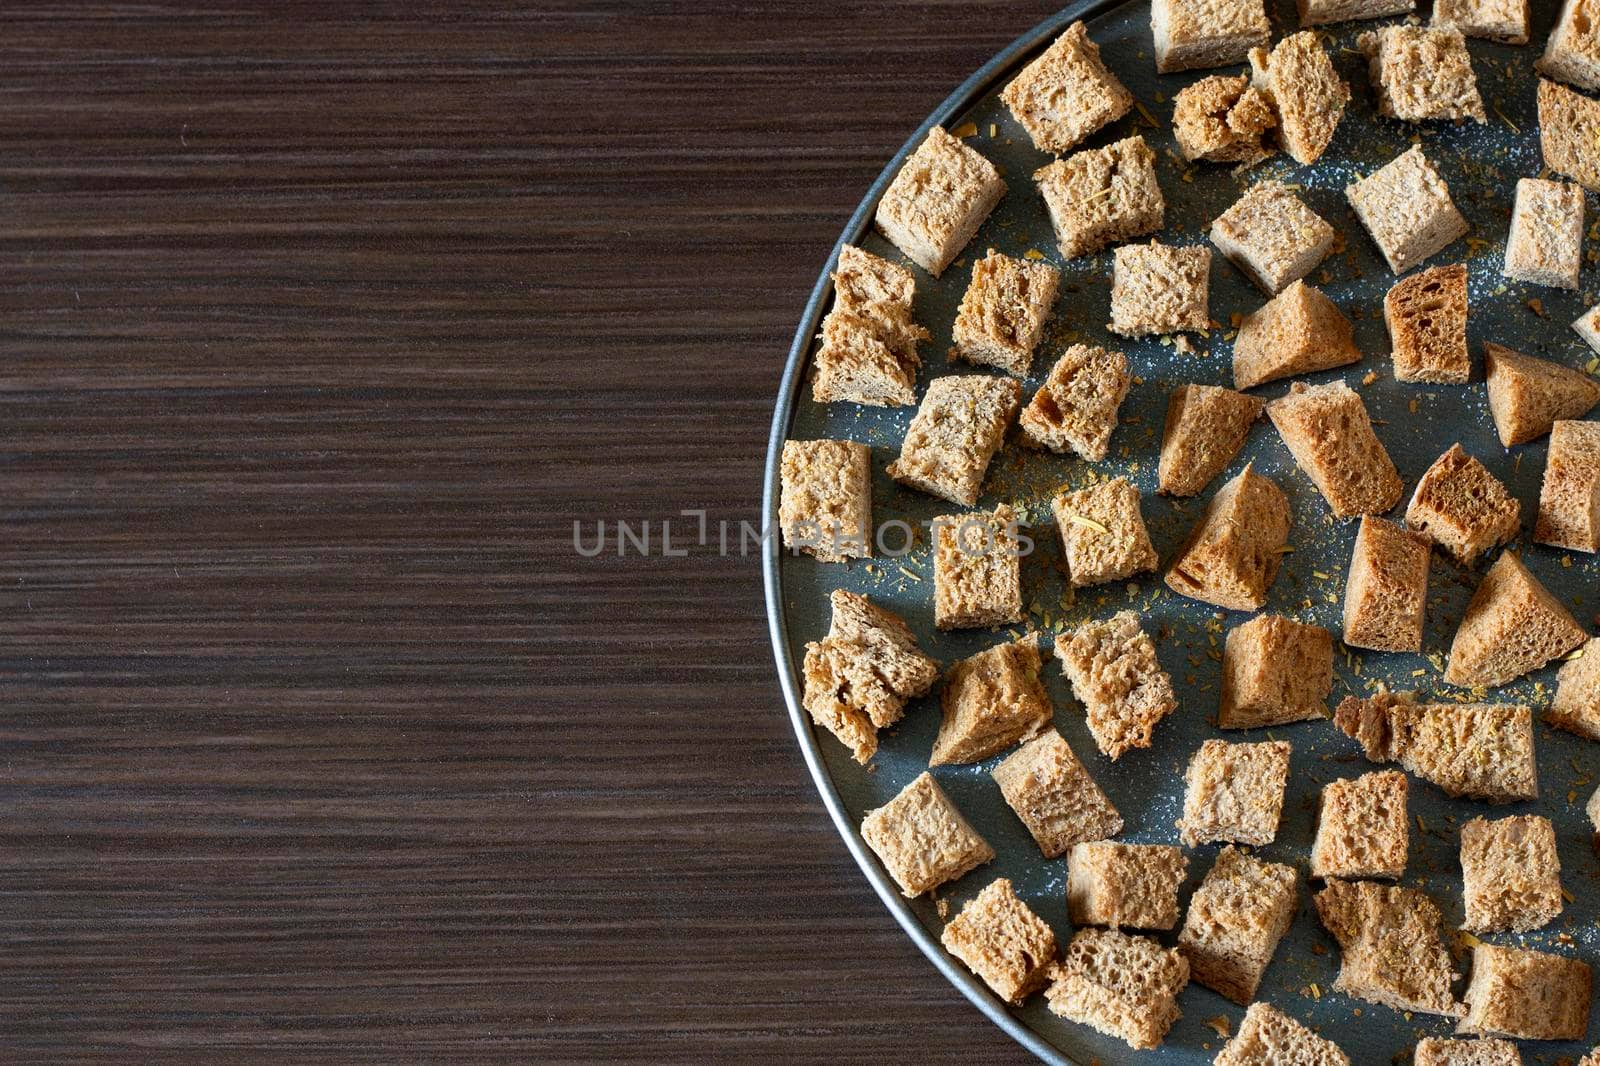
(321,324)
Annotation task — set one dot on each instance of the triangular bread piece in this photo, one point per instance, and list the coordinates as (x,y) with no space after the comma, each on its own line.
(1512,626)
(1528,395)
(1206,426)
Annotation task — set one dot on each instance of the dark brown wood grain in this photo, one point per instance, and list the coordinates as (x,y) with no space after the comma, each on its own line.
(322,323)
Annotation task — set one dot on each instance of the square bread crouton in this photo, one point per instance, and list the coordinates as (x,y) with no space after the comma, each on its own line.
(991,701)
(1362,830)
(1119,984)
(1406,209)
(1272,236)
(1386,589)
(1546,242)
(1528,395)
(1221,119)
(1298,331)
(977,570)
(1115,674)
(921,838)
(955,432)
(1206,426)
(1576,707)
(1125,886)
(1236,918)
(1391,944)
(1572,53)
(869,344)
(825,502)
(1275,671)
(1309,96)
(859,677)
(1478,750)
(1511,627)
(1234,793)
(1427,319)
(1067,93)
(1328,432)
(1587,326)
(1323,12)
(1103,533)
(1527,995)
(1055,797)
(1505,21)
(1003,312)
(1076,407)
(1511,877)
(1433,1051)
(1569,498)
(1463,508)
(1569,124)
(937,201)
(1236,546)
(1157,288)
(1099,196)
(1190,34)
(1421,74)
(1002,941)
(1268,1037)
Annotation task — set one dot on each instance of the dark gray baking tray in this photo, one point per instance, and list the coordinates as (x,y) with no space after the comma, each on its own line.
(1417,423)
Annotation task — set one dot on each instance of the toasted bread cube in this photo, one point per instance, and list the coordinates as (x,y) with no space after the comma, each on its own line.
(991,701)
(977,570)
(1298,331)
(825,503)
(1236,918)
(1267,1036)
(1206,426)
(1309,96)
(1323,12)
(1386,591)
(1115,674)
(1003,312)
(1067,93)
(1433,1051)
(1157,288)
(1125,886)
(1421,73)
(1528,995)
(1099,196)
(1406,208)
(1569,124)
(1591,1059)
(1528,395)
(1002,941)
(1392,946)
(1275,671)
(1103,533)
(1427,319)
(869,344)
(1221,119)
(955,432)
(859,677)
(1569,498)
(1511,876)
(1587,326)
(1191,34)
(1272,236)
(921,838)
(1234,792)
(1362,830)
(1478,750)
(1234,550)
(1512,626)
(1055,797)
(1546,242)
(937,201)
(1119,984)
(1463,508)
(1572,53)
(1328,432)
(1076,407)
(1505,21)
(1576,707)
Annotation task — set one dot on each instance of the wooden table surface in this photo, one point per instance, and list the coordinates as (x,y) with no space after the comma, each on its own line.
(322,325)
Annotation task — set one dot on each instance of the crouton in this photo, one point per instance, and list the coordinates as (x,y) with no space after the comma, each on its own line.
(1157,288)
(1122,985)
(1100,196)
(1002,941)
(1222,119)
(869,344)
(1125,886)
(1406,209)
(1234,792)
(921,838)
(1328,432)
(1546,242)
(1362,830)
(1422,73)
(1049,789)
(955,432)
(1391,944)
(1115,674)
(1503,21)
(1433,1051)
(1003,312)
(1512,626)
(1190,34)
(1587,326)
(1386,590)
(977,570)
(1206,426)
(1236,918)
(1569,498)
(1511,876)
(1569,124)
(937,201)
(1572,52)
(1272,237)
(1103,533)
(1268,1037)
(990,702)
(1233,553)
(1528,395)
(1298,331)
(1076,407)
(1576,707)
(1463,508)
(1066,93)
(1310,97)
(1528,995)
(1275,671)
(1427,319)
(1478,750)
(825,501)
